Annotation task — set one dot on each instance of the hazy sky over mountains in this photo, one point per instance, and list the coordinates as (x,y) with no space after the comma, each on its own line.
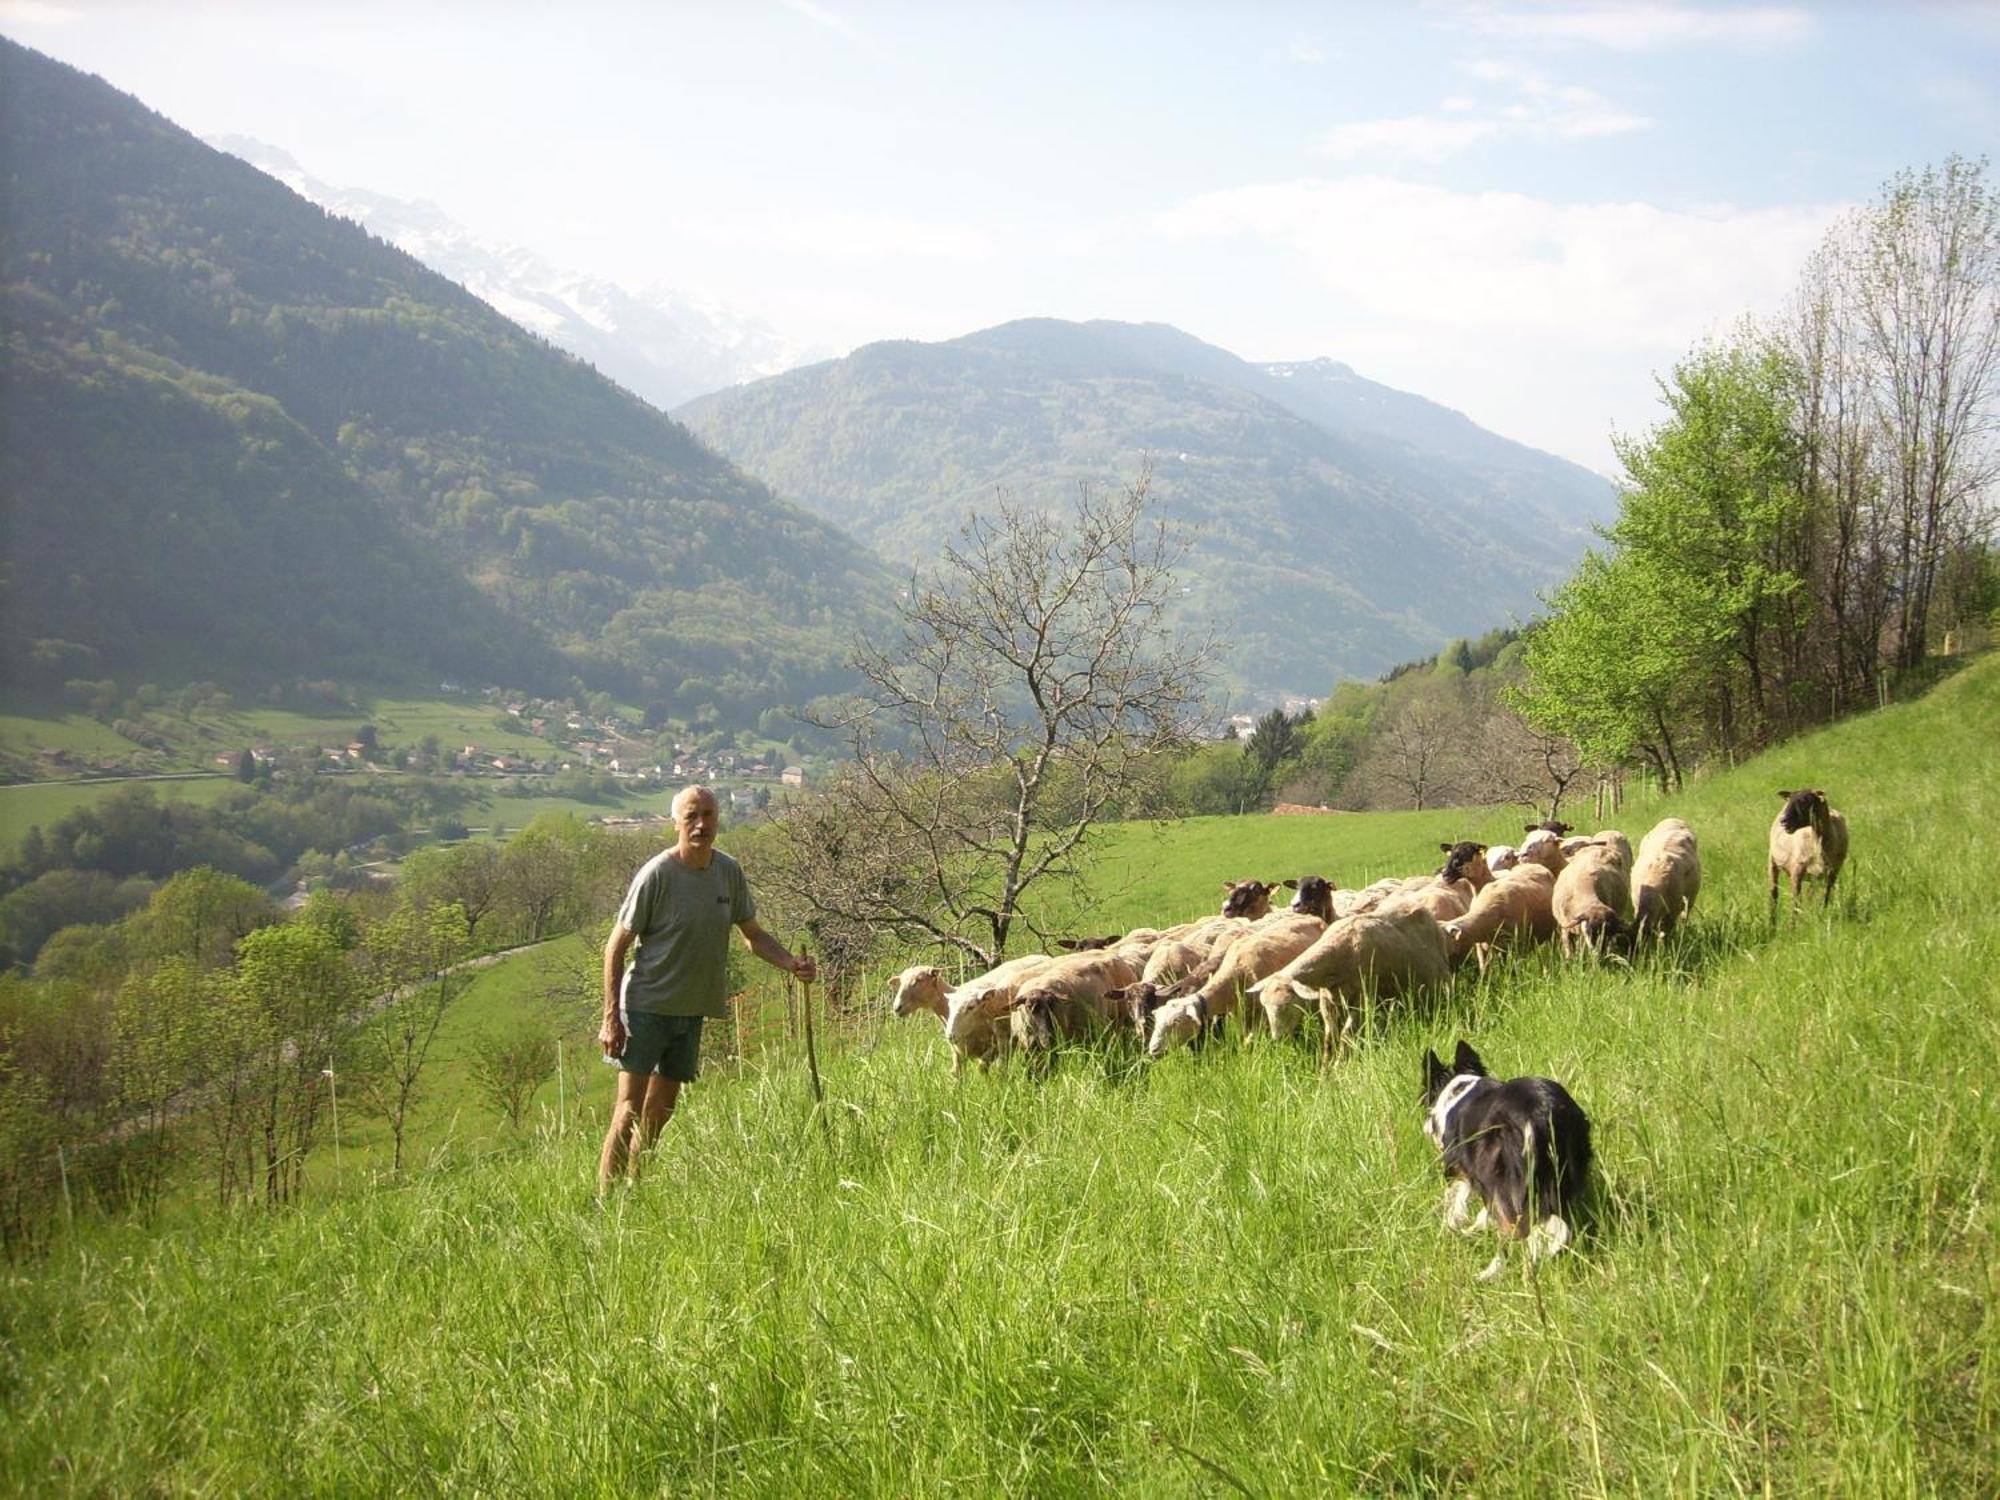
(1524,211)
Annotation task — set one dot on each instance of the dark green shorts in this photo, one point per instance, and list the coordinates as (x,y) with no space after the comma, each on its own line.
(667,1045)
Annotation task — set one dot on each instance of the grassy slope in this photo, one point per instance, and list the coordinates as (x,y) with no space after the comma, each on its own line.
(1224,1271)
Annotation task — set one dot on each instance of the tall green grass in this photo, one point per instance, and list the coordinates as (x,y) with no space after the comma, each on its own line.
(1220,1274)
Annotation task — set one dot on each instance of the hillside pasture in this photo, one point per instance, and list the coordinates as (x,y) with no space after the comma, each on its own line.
(1221,1273)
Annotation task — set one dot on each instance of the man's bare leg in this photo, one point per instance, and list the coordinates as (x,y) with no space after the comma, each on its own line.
(644,1104)
(626,1107)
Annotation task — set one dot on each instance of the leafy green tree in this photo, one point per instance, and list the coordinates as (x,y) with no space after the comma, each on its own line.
(541,873)
(1713,516)
(200,915)
(155,1025)
(301,984)
(408,960)
(1613,670)
(510,1064)
(1274,741)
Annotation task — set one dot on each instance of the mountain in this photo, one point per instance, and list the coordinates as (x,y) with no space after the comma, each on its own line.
(663,345)
(1338,526)
(244,434)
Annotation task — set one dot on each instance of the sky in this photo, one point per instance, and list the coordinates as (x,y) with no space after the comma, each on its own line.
(1526,211)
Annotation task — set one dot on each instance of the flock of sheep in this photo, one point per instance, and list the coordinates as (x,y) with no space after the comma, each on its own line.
(1336,950)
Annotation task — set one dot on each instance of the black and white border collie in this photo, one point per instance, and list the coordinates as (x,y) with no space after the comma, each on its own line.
(1523,1146)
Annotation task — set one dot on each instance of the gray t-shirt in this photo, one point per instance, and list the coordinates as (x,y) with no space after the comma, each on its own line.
(682,918)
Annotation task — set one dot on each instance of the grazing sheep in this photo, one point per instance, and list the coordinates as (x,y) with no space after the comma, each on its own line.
(1067,998)
(1500,858)
(1808,841)
(974,1009)
(1443,899)
(920,988)
(1515,909)
(1388,953)
(1263,950)
(1545,849)
(1550,825)
(1666,877)
(1593,895)
(1466,860)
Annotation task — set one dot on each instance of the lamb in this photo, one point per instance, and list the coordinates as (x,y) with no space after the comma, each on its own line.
(1500,858)
(1067,998)
(1264,950)
(1593,895)
(1808,841)
(1386,953)
(1517,907)
(1666,877)
(1550,825)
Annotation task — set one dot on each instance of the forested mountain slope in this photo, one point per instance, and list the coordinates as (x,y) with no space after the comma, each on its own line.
(1340,526)
(245,435)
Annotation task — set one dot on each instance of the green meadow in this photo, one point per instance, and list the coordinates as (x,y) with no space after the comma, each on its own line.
(1220,1274)
(45,803)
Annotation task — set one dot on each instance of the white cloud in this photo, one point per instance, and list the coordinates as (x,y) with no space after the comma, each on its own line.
(1539,110)
(1542,320)
(1594,272)
(852,236)
(1634,25)
(37,13)
(820,15)
(1306,52)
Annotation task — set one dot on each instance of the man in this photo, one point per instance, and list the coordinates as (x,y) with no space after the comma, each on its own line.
(679,911)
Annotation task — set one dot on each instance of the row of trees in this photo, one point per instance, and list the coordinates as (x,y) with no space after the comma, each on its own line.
(1814,517)
(208,1031)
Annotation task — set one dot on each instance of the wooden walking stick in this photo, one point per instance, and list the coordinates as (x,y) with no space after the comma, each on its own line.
(812,1053)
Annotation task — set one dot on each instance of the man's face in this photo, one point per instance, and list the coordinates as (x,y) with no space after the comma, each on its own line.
(698,821)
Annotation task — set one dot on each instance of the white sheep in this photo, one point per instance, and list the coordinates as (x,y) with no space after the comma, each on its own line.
(1517,907)
(1666,877)
(1264,950)
(1593,894)
(1386,953)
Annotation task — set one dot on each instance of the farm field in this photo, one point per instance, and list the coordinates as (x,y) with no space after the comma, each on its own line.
(42,804)
(1221,1273)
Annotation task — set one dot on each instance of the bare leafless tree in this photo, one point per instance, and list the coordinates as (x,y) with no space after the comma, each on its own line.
(1034,674)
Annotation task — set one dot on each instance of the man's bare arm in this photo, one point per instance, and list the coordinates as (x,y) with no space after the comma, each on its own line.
(776,954)
(612,1033)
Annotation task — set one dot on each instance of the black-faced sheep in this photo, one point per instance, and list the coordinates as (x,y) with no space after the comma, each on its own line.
(975,1012)
(1808,841)
(1465,860)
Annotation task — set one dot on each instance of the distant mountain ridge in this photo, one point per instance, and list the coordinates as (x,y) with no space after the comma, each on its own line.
(1340,526)
(664,346)
(245,437)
